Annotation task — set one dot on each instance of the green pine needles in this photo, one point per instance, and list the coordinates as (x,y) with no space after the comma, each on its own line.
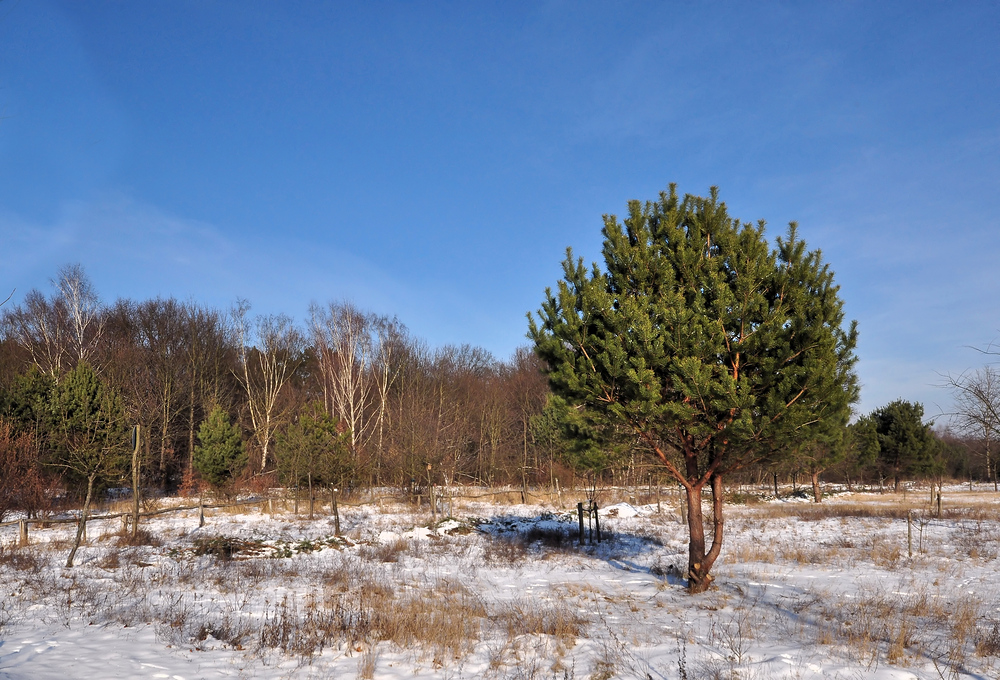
(219,456)
(702,344)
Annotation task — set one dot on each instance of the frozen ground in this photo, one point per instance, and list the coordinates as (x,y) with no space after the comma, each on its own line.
(505,591)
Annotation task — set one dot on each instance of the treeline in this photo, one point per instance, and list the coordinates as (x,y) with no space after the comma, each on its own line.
(398,410)
(348,398)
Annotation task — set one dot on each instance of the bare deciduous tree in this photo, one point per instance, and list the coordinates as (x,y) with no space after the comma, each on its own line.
(62,331)
(977,408)
(265,369)
(356,353)
(37,326)
(210,358)
(83,312)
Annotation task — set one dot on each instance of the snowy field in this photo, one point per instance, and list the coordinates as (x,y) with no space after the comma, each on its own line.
(505,591)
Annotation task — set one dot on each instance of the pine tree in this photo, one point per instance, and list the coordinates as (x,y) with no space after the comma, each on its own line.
(219,456)
(311,451)
(905,444)
(709,347)
(89,435)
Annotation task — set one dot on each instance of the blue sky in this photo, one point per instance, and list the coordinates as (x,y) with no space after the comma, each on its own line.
(433,160)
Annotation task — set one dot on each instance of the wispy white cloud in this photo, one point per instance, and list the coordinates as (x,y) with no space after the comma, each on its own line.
(137,251)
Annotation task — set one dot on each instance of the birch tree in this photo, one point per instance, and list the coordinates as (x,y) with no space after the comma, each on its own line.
(357,357)
(265,369)
(61,331)
(83,312)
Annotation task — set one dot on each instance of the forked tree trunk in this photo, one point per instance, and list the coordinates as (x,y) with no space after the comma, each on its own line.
(699,561)
(82,525)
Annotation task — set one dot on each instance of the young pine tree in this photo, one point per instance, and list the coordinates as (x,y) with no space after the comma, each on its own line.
(708,346)
(219,456)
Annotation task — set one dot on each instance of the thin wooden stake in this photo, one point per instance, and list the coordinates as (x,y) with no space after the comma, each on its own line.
(336,515)
(909,533)
(201,512)
(22,526)
(579,512)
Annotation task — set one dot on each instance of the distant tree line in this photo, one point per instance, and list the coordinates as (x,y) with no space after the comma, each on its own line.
(351,399)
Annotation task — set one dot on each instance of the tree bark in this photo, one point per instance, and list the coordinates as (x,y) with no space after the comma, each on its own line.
(82,525)
(700,562)
(311,497)
(135,482)
(817,496)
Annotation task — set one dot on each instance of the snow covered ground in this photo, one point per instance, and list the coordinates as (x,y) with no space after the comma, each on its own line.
(506,591)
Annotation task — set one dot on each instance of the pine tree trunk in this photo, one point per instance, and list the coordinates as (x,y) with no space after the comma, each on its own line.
(817,496)
(699,561)
(82,526)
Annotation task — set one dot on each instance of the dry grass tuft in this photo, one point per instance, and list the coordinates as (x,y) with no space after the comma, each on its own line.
(988,639)
(387,552)
(557,619)
(21,559)
(506,551)
(141,537)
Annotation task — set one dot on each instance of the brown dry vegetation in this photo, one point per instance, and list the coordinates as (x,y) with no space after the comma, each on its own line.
(371,597)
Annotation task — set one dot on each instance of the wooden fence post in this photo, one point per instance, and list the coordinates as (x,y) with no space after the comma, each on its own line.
(909,533)
(201,512)
(597,523)
(22,526)
(433,499)
(579,512)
